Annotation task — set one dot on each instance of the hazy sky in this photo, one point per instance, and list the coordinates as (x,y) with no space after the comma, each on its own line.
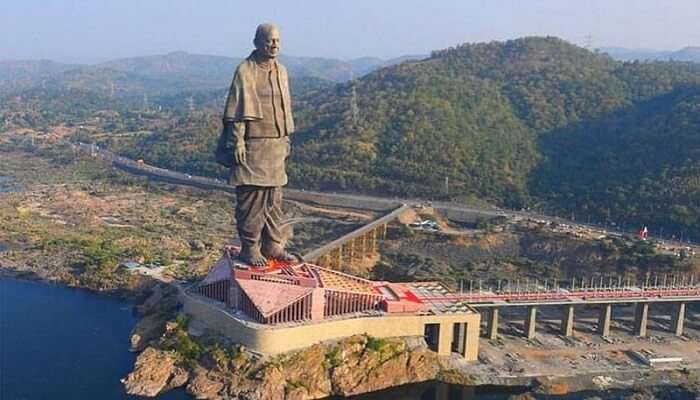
(95,30)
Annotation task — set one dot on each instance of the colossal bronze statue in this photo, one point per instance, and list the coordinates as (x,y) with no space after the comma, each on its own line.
(255,144)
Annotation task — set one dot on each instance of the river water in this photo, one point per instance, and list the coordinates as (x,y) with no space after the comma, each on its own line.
(7,184)
(63,343)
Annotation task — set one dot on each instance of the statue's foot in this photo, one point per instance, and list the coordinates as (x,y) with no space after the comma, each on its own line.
(277,252)
(252,256)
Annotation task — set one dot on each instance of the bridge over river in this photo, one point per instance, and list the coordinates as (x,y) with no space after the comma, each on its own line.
(677,291)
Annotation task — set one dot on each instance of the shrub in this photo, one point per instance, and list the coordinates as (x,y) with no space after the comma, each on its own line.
(375,344)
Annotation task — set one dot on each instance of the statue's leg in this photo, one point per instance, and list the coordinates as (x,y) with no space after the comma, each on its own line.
(250,219)
(272,236)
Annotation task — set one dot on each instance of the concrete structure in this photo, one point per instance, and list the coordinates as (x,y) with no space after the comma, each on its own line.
(532,295)
(677,321)
(641,316)
(567,322)
(356,245)
(604,319)
(280,307)
(492,326)
(531,322)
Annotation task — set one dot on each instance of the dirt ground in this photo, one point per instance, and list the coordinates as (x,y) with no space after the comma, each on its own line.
(51,212)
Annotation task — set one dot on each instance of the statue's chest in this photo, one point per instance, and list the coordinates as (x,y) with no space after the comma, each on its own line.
(264,87)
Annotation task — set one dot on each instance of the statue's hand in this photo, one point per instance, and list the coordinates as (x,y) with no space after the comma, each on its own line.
(240,154)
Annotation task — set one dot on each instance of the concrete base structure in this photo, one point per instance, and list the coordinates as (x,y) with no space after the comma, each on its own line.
(567,322)
(641,315)
(270,339)
(604,319)
(531,322)
(678,319)
(492,326)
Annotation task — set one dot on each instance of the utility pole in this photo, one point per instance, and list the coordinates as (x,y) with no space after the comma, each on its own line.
(447,185)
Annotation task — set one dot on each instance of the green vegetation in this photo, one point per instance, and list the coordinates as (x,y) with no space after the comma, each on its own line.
(533,122)
(375,344)
(333,357)
(180,342)
(483,115)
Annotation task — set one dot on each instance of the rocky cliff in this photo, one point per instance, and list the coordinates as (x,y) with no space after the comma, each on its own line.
(358,364)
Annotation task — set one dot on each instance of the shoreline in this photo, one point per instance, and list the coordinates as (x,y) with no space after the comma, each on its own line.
(28,276)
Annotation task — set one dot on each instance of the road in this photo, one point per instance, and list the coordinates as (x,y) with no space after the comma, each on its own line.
(348,200)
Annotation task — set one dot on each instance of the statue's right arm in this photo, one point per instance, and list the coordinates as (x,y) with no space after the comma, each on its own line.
(239,140)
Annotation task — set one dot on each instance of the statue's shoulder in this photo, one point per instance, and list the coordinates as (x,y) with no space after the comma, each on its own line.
(245,67)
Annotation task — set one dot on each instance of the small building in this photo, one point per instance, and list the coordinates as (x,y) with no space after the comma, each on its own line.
(282,307)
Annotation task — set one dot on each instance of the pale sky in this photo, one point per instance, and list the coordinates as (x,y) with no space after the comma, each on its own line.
(97,30)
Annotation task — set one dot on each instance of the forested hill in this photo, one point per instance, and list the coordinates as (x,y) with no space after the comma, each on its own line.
(533,120)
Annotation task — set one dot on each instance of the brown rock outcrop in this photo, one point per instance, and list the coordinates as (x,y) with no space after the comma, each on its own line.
(154,372)
(356,365)
(178,378)
(204,387)
(365,367)
(147,329)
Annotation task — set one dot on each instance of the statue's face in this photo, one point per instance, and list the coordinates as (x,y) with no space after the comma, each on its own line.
(269,44)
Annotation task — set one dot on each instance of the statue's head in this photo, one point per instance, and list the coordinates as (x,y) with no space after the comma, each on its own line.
(267,40)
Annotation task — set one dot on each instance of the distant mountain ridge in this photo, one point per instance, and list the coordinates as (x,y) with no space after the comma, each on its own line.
(181,69)
(26,72)
(689,54)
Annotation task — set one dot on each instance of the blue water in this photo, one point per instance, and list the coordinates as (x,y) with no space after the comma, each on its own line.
(7,184)
(62,343)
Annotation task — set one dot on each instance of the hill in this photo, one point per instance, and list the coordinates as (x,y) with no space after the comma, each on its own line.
(170,73)
(207,71)
(24,73)
(533,122)
(689,54)
(686,54)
